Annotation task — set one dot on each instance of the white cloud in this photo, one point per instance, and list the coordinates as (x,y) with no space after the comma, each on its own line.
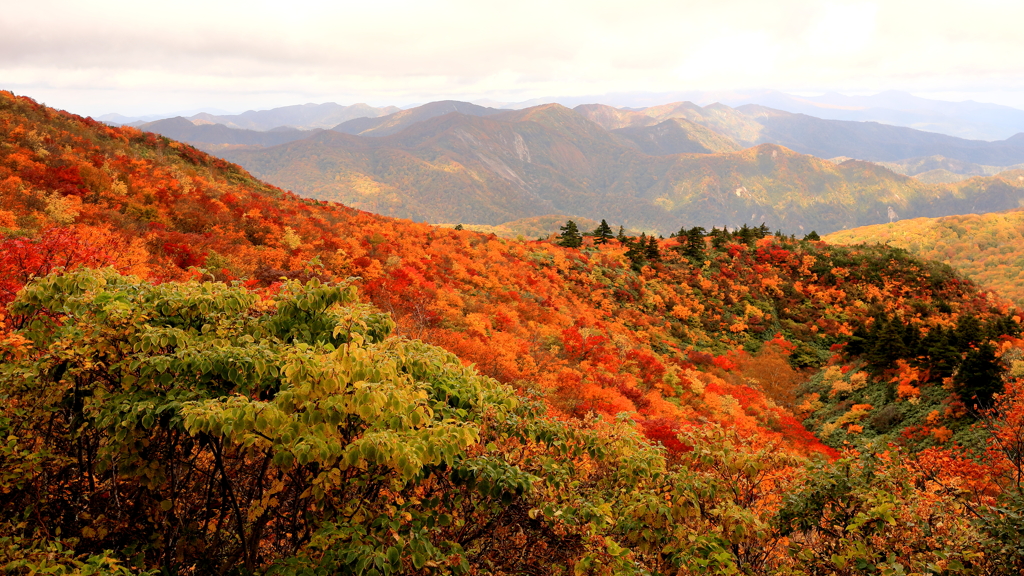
(118,55)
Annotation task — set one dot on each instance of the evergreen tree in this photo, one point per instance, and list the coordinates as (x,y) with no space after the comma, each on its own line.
(719,237)
(968,331)
(570,236)
(979,376)
(637,252)
(762,230)
(747,235)
(940,352)
(621,236)
(887,344)
(812,236)
(692,245)
(652,251)
(603,233)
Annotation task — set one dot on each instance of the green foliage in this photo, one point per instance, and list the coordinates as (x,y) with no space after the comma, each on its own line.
(692,244)
(570,236)
(173,406)
(603,233)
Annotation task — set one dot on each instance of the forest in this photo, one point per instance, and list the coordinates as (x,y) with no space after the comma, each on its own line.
(205,374)
(985,247)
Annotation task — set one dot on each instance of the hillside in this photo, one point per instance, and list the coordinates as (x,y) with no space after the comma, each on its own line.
(752,124)
(301,117)
(283,423)
(551,160)
(985,247)
(398,121)
(213,137)
(676,136)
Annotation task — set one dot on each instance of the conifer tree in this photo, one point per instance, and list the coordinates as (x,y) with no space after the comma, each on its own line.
(621,236)
(692,244)
(570,236)
(979,376)
(719,237)
(637,252)
(812,236)
(603,233)
(747,235)
(652,252)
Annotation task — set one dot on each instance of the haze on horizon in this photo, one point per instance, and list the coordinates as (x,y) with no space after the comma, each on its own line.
(138,58)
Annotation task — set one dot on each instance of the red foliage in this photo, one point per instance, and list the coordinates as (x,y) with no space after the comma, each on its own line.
(22,259)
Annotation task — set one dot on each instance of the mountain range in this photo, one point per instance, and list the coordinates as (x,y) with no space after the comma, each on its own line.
(497,166)
(968,119)
(300,116)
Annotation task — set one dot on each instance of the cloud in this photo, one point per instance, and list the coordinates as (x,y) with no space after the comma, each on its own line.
(232,54)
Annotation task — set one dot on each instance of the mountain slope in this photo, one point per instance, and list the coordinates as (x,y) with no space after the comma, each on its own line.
(302,116)
(398,121)
(988,248)
(676,136)
(217,136)
(552,160)
(752,124)
(230,414)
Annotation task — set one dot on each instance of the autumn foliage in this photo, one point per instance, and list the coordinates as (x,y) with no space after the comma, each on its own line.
(720,361)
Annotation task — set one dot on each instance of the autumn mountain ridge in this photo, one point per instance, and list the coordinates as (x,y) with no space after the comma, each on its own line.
(201,373)
(656,169)
(989,248)
(552,160)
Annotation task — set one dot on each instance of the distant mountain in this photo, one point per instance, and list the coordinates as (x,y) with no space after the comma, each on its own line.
(535,226)
(970,120)
(552,160)
(989,248)
(115,119)
(920,166)
(400,120)
(304,116)
(751,124)
(676,136)
(214,137)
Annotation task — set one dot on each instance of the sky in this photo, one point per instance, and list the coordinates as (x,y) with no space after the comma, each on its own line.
(134,58)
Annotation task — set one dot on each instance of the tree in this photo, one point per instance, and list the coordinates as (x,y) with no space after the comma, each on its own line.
(652,252)
(812,235)
(747,235)
(719,237)
(621,236)
(570,236)
(603,233)
(637,251)
(692,245)
(979,376)
(249,435)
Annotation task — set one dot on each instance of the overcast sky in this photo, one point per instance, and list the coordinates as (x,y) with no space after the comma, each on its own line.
(135,57)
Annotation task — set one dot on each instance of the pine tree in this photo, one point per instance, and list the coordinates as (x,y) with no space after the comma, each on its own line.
(979,376)
(570,236)
(692,244)
(603,233)
(719,237)
(637,252)
(812,236)
(621,236)
(748,235)
(652,252)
